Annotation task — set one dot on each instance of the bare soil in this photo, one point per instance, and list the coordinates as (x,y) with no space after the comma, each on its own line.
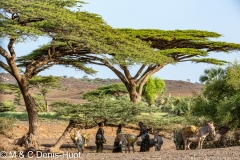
(51,131)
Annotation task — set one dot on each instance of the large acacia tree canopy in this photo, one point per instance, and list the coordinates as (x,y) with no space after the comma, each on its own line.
(73,33)
(183,45)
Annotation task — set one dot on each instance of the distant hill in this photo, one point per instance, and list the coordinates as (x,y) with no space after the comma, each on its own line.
(72,88)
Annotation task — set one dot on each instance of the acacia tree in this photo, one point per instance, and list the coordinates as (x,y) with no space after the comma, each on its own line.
(116,89)
(44,84)
(13,89)
(105,108)
(22,21)
(179,45)
(170,47)
(75,33)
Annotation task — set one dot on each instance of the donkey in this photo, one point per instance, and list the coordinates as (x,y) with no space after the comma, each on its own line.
(79,141)
(198,136)
(178,140)
(156,141)
(127,141)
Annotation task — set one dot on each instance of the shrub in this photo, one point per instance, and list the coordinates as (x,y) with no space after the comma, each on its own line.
(113,110)
(7,106)
(178,106)
(7,124)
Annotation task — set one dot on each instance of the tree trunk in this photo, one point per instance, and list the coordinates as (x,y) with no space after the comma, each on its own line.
(46,102)
(150,109)
(60,141)
(30,140)
(134,96)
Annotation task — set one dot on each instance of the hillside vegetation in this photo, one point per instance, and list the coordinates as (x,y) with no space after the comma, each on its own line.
(72,88)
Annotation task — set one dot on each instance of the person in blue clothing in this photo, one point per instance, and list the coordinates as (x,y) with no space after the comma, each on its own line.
(100,139)
(145,145)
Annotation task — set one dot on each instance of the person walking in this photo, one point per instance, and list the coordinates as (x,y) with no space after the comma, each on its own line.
(145,145)
(100,139)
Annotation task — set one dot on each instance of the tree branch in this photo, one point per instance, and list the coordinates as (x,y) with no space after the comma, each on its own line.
(5,67)
(178,59)
(11,50)
(139,72)
(126,72)
(35,72)
(30,20)
(150,67)
(146,77)
(4,53)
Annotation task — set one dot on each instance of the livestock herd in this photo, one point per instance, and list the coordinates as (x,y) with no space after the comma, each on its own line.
(188,135)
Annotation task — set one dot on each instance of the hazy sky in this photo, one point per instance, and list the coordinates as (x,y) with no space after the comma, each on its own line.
(221,16)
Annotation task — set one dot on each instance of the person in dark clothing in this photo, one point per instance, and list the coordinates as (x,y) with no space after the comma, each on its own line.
(119,130)
(100,139)
(117,148)
(145,145)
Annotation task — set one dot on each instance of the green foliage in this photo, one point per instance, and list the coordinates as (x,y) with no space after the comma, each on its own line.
(220,97)
(184,45)
(152,88)
(44,82)
(203,107)
(23,116)
(176,105)
(7,106)
(106,108)
(161,121)
(6,88)
(39,100)
(215,89)
(17,98)
(7,124)
(113,89)
(78,34)
(228,111)
(170,35)
(38,11)
(214,73)
(233,76)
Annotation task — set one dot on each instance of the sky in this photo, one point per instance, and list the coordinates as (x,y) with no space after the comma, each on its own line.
(221,16)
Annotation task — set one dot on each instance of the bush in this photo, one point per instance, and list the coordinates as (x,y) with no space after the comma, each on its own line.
(178,106)
(113,110)
(7,124)
(7,106)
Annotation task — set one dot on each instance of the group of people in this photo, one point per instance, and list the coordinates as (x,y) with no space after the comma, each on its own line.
(100,139)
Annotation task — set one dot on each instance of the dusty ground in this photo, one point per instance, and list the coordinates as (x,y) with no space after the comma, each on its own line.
(51,131)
